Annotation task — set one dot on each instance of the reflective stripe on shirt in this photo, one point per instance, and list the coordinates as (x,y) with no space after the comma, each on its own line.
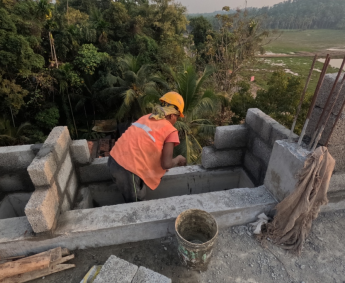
(146,129)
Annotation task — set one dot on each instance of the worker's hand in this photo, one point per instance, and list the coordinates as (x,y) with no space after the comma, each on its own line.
(181,161)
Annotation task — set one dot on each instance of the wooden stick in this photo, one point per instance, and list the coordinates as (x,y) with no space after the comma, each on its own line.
(37,274)
(31,263)
(62,260)
(40,261)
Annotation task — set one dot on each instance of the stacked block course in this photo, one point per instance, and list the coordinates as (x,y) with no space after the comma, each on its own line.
(263,132)
(55,179)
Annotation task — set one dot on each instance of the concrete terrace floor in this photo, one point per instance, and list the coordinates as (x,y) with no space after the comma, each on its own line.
(238,257)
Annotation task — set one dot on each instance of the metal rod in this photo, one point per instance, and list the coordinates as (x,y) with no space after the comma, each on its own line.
(336,121)
(302,98)
(312,105)
(328,102)
(330,112)
(319,84)
(318,137)
(331,93)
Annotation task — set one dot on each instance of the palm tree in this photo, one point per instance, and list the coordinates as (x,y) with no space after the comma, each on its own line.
(137,89)
(195,129)
(10,135)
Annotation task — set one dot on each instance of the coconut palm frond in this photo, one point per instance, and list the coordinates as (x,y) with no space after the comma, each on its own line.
(207,73)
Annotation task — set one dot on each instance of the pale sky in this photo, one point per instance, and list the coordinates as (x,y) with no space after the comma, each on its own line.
(209,6)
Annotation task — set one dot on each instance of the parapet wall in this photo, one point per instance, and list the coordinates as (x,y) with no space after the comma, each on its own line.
(49,171)
(249,145)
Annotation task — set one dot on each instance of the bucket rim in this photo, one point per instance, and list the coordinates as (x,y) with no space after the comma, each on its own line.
(190,243)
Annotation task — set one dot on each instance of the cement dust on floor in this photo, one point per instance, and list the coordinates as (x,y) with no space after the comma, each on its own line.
(238,257)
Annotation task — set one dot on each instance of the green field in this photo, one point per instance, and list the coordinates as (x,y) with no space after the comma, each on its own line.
(299,65)
(306,40)
(296,41)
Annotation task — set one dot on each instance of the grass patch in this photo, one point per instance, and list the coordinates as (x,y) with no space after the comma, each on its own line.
(307,40)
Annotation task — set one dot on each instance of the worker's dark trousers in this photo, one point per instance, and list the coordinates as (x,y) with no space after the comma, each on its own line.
(130,185)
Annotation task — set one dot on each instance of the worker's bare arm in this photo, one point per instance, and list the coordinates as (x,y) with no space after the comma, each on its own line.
(167,160)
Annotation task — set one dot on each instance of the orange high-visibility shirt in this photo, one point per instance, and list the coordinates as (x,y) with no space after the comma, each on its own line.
(139,149)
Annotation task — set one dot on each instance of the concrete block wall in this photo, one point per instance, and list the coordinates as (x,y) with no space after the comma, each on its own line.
(55,179)
(263,132)
(14,161)
(337,141)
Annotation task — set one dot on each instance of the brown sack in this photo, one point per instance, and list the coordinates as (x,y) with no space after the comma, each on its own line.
(292,222)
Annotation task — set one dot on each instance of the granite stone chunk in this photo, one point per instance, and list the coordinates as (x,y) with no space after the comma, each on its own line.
(145,275)
(116,270)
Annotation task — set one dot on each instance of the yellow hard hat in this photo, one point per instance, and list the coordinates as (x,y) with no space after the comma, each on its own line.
(175,99)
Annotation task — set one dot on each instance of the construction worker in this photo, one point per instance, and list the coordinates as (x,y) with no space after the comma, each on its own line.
(141,156)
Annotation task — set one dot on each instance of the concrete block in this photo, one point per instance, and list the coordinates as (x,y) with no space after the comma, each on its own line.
(253,165)
(14,161)
(6,209)
(229,137)
(42,209)
(19,201)
(262,150)
(80,152)
(338,153)
(145,275)
(191,180)
(279,132)
(42,169)
(338,135)
(58,141)
(13,158)
(70,192)
(286,161)
(337,182)
(66,205)
(83,199)
(326,90)
(97,171)
(212,158)
(260,123)
(105,193)
(65,172)
(116,270)
(19,181)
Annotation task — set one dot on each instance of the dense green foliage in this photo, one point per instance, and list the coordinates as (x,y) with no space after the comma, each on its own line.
(77,61)
(304,14)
